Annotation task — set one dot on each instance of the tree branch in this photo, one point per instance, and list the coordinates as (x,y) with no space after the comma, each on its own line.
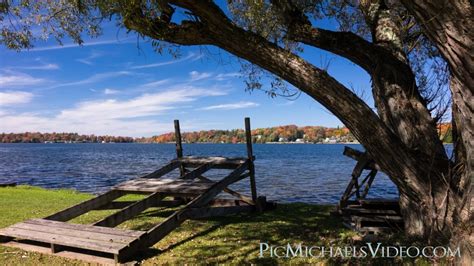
(379,140)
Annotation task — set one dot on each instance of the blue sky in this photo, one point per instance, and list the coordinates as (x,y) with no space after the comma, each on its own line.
(114,85)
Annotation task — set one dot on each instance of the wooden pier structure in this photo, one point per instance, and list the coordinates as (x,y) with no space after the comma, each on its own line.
(103,242)
(358,211)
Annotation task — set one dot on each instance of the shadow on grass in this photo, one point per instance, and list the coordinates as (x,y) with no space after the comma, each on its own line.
(236,238)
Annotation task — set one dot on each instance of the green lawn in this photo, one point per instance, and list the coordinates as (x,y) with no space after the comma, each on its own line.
(232,239)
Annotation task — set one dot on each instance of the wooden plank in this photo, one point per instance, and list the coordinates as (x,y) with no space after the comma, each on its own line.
(198,171)
(87,228)
(197,213)
(179,145)
(159,231)
(233,193)
(166,186)
(358,155)
(86,206)
(163,170)
(130,211)
(227,202)
(77,233)
(218,162)
(63,253)
(177,135)
(362,211)
(122,204)
(248,135)
(216,188)
(90,244)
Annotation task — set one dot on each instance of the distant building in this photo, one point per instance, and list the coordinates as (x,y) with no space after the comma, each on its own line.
(282,140)
(300,140)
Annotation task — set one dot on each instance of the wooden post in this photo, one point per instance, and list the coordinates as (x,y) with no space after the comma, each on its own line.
(253,187)
(179,145)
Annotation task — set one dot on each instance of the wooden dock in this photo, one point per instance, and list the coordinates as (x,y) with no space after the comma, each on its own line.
(102,242)
(361,213)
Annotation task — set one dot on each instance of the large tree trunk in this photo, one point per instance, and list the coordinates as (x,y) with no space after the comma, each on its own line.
(402,138)
(449,25)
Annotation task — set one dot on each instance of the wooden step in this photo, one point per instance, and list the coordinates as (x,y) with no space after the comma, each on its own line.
(217,162)
(364,211)
(178,187)
(95,238)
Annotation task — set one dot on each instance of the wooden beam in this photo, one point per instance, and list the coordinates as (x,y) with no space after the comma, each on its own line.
(197,213)
(179,146)
(198,171)
(248,136)
(130,211)
(358,155)
(156,233)
(244,198)
(86,206)
(218,162)
(122,204)
(163,170)
(177,135)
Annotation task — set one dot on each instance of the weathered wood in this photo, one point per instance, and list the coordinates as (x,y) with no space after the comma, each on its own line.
(165,186)
(156,233)
(363,211)
(358,155)
(240,196)
(75,232)
(163,170)
(251,168)
(53,238)
(87,228)
(86,206)
(198,171)
(179,145)
(177,135)
(197,213)
(63,253)
(218,162)
(227,202)
(371,177)
(130,211)
(122,204)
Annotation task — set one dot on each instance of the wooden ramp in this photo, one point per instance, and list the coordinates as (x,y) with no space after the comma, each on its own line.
(101,242)
(360,213)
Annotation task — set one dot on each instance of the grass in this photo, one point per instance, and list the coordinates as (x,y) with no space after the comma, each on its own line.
(231,240)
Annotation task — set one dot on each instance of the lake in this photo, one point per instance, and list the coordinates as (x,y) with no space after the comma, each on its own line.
(310,173)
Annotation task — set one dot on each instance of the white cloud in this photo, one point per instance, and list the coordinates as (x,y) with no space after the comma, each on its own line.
(86,43)
(88,60)
(224,76)
(95,78)
(231,106)
(131,117)
(155,84)
(190,56)
(39,67)
(14,97)
(17,79)
(195,75)
(108,91)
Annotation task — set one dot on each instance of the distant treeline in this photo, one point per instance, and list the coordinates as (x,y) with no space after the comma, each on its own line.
(36,137)
(289,133)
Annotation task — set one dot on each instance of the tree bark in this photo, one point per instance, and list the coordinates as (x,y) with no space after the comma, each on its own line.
(449,24)
(402,138)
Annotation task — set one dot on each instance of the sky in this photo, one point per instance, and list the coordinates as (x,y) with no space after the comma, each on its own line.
(116,85)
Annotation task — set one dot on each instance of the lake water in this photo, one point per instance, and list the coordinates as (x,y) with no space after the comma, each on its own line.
(310,173)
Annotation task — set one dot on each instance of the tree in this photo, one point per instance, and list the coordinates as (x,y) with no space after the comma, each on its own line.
(393,41)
